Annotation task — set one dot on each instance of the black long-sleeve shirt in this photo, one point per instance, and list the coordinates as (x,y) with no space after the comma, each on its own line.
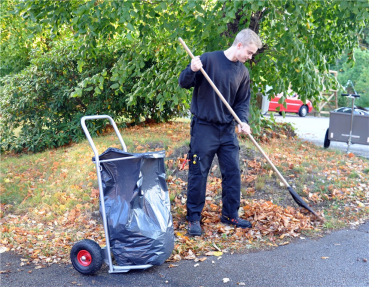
(231,78)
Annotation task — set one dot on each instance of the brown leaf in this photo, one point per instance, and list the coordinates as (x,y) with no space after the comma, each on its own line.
(190,255)
(177,257)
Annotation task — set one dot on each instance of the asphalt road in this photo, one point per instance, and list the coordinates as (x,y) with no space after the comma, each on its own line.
(313,129)
(338,259)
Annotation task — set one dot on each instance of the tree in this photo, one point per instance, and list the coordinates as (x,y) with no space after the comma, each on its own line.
(15,47)
(301,38)
(364,38)
(354,67)
(358,74)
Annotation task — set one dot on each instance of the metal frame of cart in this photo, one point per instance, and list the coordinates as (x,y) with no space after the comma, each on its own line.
(83,258)
(350,128)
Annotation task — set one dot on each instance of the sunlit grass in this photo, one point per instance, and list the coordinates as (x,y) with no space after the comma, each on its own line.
(67,176)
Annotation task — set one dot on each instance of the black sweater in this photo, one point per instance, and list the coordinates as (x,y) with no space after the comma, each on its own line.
(231,78)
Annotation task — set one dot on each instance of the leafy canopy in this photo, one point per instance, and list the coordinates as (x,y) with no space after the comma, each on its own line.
(301,38)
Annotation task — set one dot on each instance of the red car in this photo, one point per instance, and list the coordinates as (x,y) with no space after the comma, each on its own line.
(294,105)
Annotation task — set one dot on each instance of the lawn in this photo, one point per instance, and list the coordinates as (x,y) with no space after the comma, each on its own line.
(49,200)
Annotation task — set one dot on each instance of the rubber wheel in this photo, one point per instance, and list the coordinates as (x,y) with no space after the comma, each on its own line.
(327,142)
(86,257)
(303,111)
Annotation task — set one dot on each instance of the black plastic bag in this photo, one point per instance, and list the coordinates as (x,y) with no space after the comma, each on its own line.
(137,207)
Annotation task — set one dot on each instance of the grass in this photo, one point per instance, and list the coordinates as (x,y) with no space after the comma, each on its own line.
(55,192)
(260,182)
(66,176)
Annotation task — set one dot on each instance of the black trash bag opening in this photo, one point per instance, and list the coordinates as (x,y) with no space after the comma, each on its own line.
(137,207)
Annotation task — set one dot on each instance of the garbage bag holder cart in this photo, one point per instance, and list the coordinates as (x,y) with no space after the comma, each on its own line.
(348,127)
(135,210)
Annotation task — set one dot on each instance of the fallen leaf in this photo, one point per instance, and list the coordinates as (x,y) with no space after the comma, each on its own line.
(197,264)
(225,280)
(172,266)
(177,257)
(360,204)
(216,247)
(217,253)
(3,249)
(190,255)
(324,257)
(202,259)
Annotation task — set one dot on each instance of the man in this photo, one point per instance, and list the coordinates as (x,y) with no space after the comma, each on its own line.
(213,126)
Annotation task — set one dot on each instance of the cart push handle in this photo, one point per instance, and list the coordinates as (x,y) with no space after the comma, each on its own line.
(89,138)
(350,95)
(99,180)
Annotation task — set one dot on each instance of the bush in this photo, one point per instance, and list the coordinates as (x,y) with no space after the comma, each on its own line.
(41,107)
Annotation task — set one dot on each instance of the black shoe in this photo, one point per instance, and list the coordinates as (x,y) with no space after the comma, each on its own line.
(236,221)
(194,228)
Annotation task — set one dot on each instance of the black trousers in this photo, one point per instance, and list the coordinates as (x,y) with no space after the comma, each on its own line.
(208,139)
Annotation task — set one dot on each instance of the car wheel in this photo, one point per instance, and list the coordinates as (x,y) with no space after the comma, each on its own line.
(303,111)
(327,142)
(280,113)
(86,257)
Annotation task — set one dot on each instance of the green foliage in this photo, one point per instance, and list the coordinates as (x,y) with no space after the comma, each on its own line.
(37,101)
(281,128)
(364,38)
(47,100)
(358,74)
(142,58)
(14,45)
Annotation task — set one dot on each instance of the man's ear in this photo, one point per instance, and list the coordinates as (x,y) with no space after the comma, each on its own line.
(239,45)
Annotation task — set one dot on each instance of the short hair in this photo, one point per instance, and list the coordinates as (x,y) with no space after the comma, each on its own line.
(247,37)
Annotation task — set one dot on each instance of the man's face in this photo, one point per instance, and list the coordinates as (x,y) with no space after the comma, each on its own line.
(245,53)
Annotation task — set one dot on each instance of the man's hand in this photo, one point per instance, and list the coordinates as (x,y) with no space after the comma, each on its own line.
(196,64)
(244,128)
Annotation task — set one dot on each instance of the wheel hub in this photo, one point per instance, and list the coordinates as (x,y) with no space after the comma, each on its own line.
(84,258)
